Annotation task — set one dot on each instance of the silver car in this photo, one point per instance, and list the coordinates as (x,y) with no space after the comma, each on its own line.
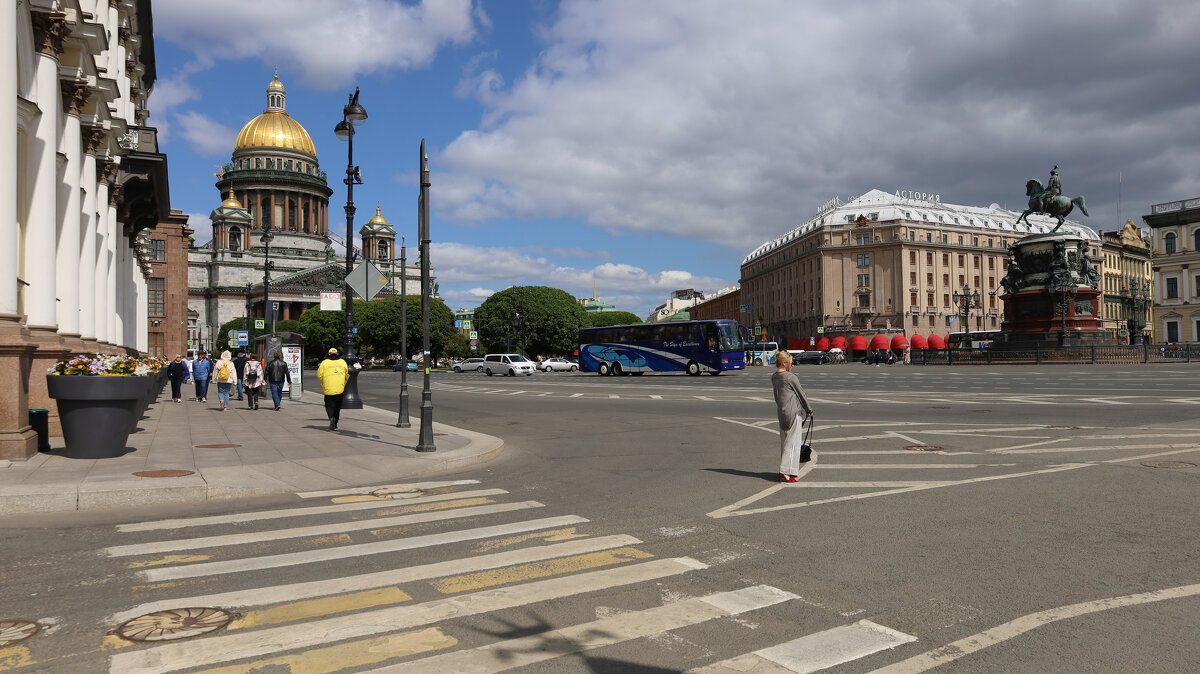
(468,365)
(557,365)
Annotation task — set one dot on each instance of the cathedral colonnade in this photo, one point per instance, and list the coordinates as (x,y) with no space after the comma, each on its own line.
(80,176)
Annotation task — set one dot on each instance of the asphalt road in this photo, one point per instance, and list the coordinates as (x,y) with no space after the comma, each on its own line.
(997,519)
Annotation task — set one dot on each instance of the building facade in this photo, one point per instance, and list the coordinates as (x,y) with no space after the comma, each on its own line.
(679,301)
(166,286)
(725,304)
(1175,238)
(1128,285)
(80,178)
(271,241)
(886,263)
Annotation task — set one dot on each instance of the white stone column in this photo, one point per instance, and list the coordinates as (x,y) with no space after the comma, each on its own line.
(67,253)
(142,327)
(89,225)
(41,243)
(100,289)
(9,234)
(111,240)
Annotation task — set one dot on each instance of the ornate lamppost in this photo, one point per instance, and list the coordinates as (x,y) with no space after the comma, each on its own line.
(1135,295)
(402,421)
(966,299)
(353,115)
(1066,290)
(266,238)
(425,438)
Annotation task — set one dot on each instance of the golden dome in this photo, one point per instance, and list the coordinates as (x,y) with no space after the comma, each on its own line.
(276,85)
(275,129)
(378,219)
(231,202)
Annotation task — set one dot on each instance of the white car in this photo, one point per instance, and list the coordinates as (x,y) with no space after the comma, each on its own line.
(507,364)
(469,365)
(557,365)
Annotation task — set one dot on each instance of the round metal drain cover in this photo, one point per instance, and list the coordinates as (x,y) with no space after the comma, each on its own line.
(1168,464)
(225,446)
(393,493)
(15,631)
(176,623)
(923,448)
(164,473)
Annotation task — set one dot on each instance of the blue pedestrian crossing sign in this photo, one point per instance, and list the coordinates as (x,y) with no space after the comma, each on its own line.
(260,324)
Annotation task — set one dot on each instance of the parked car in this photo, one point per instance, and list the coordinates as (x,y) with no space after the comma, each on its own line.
(468,365)
(507,364)
(557,365)
(412,366)
(810,357)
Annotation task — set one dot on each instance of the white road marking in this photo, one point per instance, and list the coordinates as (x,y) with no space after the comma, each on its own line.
(524,651)
(320,530)
(1151,456)
(349,551)
(302,512)
(818,651)
(906,437)
(912,466)
(262,596)
(259,642)
(392,487)
(1013,628)
(654,397)
(1096,448)
(875,483)
(1106,401)
(576,395)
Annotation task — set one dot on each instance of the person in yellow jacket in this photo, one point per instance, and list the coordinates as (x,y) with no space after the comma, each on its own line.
(333,374)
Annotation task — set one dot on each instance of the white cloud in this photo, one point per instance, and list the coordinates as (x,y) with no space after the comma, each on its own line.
(201,227)
(205,134)
(730,122)
(329,40)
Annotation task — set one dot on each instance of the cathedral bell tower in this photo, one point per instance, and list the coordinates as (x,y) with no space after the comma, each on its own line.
(378,240)
(231,225)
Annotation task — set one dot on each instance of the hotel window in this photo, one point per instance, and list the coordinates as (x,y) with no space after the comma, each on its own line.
(962,261)
(915,319)
(158,250)
(864,280)
(1196,240)
(912,278)
(931,320)
(1172,288)
(929,278)
(945,259)
(1172,331)
(991,263)
(976,280)
(862,239)
(1169,242)
(1196,293)
(945,279)
(864,259)
(928,236)
(945,238)
(928,258)
(989,242)
(975,241)
(912,257)
(156,297)
(962,280)
(960,240)
(946,300)
(929,299)
(912,299)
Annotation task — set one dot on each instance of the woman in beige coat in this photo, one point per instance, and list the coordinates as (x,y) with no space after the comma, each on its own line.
(226,375)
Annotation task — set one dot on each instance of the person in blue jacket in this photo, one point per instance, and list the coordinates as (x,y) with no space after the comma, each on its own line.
(201,371)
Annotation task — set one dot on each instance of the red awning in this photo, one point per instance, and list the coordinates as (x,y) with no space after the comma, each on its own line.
(879,342)
(899,342)
(823,344)
(918,342)
(936,342)
(859,343)
(797,344)
(838,342)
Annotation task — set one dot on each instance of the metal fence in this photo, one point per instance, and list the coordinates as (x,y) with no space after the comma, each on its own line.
(1104,355)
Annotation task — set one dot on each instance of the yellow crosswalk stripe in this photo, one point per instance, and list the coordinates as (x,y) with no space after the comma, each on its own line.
(316,608)
(524,572)
(344,656)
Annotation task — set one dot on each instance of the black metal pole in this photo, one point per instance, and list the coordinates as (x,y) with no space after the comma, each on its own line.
(266,239)
(350,397)
(425,443)
(403,421)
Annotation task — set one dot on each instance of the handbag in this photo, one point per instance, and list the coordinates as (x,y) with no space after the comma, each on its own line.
(805,448)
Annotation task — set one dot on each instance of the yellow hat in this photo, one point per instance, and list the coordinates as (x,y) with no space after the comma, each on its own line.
(333,351)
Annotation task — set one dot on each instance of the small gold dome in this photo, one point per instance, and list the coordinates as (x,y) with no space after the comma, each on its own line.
(378,219)
(276,85)
(231,202)
(275,129)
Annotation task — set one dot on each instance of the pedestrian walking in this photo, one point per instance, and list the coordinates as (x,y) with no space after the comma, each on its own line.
(790,401)
(907,355)
(188,362)
(277,374)
(177,372)
(239,364)
(226,376)
(333,374)
(252,380)
(202,369)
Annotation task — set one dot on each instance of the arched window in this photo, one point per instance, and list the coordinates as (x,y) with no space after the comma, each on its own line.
(383,250)
(235,238)
(258,162)
(1169,243)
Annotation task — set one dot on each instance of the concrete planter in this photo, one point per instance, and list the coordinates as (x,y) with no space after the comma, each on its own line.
(97,413)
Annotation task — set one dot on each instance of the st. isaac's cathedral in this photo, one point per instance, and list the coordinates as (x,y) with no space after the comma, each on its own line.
(274,184)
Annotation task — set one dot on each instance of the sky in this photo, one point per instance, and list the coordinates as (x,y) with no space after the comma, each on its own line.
(649,146)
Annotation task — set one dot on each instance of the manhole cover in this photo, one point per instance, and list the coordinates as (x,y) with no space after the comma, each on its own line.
(14,631)
(172,624)
(1168,464)
(390,492)
(164,473)
(226,446)
(923,448)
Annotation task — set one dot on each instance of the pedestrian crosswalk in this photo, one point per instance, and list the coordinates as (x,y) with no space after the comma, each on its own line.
(405,578)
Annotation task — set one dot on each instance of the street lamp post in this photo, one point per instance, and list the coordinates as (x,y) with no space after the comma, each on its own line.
(402,421)
(1135,295)
(425,441)
(353,114)
(266,238)
(966,299)
(246,320)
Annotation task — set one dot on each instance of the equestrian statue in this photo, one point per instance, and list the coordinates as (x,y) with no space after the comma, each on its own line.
(1050,201)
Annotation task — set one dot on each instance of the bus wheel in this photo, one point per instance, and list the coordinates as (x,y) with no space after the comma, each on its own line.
(758,361)
(616,369)
(603,369)
(693,368)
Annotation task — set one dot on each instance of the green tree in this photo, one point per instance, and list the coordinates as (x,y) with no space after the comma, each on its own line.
(221,340)
(600,319)
(321,330)
(458,346)
(549,320)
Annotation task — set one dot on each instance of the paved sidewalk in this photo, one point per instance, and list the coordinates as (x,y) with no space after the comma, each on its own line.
(238,453)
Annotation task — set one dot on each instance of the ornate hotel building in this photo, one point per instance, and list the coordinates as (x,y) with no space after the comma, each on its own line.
(886,263)
(1128,285)
(81,182)
(1176,242)
(274,184)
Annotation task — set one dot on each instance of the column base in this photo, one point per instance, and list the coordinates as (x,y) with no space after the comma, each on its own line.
(49,350)
(18,441)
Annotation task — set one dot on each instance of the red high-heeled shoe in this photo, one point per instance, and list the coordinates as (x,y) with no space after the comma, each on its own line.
(783,477)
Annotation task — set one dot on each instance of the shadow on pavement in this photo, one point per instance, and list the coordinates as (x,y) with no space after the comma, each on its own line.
(769,477)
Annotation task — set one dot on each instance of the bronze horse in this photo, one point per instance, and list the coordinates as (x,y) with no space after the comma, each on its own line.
(1056,207)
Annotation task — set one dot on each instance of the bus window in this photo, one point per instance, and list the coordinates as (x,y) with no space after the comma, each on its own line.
(710,336)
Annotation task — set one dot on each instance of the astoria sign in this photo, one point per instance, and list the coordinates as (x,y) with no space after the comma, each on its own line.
(919,196)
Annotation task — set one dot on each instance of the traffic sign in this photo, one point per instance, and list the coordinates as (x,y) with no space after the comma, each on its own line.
(467,324)
(260,324)
(473,343)
(820,329)
(189,342)
(458,324)
(474,334)
(243,338)
(366,280)
(331,301)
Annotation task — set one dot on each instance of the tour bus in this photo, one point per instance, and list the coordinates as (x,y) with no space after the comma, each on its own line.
(684,346)
(763,353)
(971,340)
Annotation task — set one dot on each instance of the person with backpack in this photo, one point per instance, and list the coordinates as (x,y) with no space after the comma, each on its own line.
(252,380)
(202,369)
(226,376)
(277,374)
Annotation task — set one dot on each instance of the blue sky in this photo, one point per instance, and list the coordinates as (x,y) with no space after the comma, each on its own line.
(652,145)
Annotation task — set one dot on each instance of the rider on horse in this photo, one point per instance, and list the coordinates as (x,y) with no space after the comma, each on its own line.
(1053,189)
